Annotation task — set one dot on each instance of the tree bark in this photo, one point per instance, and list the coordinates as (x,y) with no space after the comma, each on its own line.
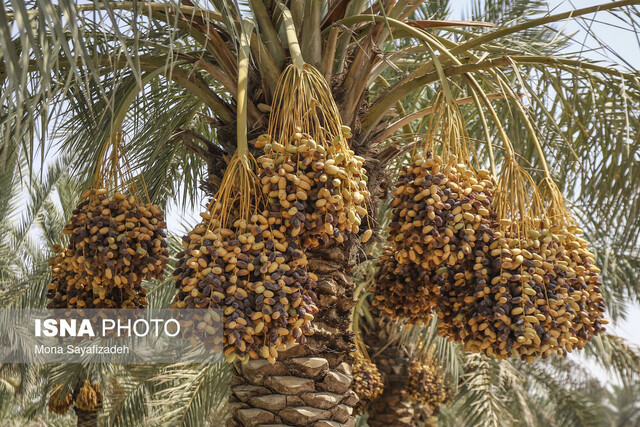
(86,418)
(393,408)
(310,384)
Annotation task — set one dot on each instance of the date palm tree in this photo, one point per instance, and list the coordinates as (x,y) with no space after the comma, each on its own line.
(165,75)
(196,394)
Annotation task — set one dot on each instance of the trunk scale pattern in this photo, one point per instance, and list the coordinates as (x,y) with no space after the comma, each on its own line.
(310,384)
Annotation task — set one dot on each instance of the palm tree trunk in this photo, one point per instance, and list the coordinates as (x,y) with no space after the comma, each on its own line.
(86,418)
(393,408)
(310,384)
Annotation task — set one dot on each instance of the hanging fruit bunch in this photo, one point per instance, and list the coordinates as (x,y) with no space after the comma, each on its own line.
(241,259)
(367,382)
(239,263)
(500,260)
(402,290)
(536,290)
(116,241)
(60,400)
(426,385)
(441,213)
(89,397)
(315,184)
(86,398)
(62,290)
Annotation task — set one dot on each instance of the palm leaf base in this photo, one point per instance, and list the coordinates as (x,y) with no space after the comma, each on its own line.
(310,385)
